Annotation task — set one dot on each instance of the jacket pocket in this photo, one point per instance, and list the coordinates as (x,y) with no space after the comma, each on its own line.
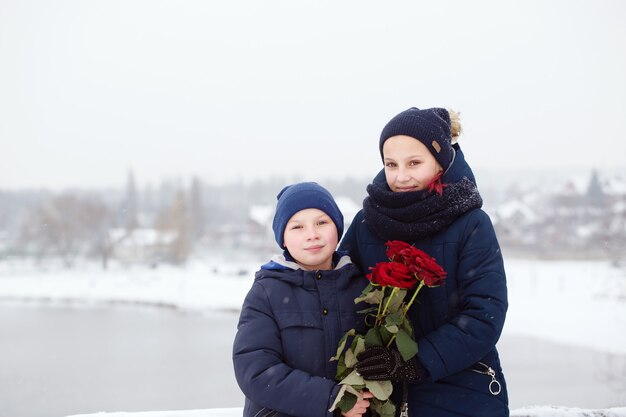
(495,386)
(480,377)
(286,320)
(302,337)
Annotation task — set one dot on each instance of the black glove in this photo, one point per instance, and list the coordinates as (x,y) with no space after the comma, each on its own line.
(380,363)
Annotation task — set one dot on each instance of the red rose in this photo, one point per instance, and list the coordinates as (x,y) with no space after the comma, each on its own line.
(392,274)
(373,276)
(427,269)
(394,249)
(408,255)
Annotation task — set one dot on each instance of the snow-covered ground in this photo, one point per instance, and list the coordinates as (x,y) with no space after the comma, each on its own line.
(236,412)
(572,303)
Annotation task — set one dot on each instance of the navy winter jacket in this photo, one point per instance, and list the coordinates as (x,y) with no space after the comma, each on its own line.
(290,325)
(458,324)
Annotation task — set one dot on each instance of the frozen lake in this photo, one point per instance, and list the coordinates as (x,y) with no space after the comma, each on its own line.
(57,361)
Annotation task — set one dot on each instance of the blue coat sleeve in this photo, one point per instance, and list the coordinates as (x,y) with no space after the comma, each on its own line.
(472,332)
(262,374)
(349,244)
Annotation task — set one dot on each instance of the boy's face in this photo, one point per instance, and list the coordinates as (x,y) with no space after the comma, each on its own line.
(409,165)
(311,238)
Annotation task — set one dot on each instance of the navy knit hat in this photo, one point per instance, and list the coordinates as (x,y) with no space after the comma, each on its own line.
(304,195)
(429,126)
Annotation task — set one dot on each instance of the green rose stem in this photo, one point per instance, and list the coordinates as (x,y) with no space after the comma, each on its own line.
(406,308)
(380,305)
(380,316)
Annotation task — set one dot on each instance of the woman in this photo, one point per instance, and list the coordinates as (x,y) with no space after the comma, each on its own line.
(426,196)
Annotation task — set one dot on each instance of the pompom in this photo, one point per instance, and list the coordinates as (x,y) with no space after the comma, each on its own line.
(455,125)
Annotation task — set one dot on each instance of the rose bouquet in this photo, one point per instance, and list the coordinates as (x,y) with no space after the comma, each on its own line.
(389,284)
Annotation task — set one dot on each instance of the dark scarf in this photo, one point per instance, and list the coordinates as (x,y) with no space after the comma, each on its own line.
(413,215)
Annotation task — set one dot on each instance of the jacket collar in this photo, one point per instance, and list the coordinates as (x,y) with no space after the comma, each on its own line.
(280,267)
(285,261)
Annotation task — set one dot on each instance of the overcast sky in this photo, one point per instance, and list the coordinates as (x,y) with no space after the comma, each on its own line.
(230,90)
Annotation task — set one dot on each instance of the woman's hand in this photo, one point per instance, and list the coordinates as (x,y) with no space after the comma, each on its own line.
(360,407)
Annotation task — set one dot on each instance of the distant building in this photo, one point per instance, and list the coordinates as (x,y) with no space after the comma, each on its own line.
(141,245)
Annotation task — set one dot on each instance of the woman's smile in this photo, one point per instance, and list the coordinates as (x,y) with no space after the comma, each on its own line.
(406,189)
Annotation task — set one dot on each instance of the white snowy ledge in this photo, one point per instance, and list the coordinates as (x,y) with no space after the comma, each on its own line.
(538,411)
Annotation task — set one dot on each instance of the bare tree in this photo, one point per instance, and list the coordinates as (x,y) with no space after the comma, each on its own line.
(131,206)
(175,219)
(196,210)
(68,226)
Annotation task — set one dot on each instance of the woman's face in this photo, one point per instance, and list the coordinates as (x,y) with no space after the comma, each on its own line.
(409,165)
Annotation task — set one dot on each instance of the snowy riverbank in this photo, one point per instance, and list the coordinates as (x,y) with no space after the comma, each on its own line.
(559,301)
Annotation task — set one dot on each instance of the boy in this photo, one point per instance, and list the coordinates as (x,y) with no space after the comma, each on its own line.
(300,304)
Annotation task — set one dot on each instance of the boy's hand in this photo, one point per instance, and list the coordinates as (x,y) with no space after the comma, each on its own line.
(360,407)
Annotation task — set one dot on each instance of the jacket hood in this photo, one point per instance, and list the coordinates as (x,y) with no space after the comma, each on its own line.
(285,269)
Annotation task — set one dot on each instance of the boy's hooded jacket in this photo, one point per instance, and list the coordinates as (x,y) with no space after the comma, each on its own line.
(458,324)
(290,325)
